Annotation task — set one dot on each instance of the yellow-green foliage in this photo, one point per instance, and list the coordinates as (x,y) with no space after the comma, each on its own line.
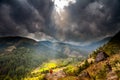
(39,77)
(51,65)
(75,70)
(47,66)
(40,72)
(71,70)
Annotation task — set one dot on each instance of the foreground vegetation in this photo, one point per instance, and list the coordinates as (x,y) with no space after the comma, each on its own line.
(88,69)
(58,64)
(25,64)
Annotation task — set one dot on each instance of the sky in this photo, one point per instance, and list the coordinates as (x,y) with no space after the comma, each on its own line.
(61,20)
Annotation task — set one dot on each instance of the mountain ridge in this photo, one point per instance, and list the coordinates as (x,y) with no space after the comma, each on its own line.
(48,46)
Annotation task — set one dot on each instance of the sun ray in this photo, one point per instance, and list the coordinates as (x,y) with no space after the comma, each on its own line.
(60,4)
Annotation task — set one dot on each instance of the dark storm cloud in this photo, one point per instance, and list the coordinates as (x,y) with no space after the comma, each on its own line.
(19,17)
(93,19)
(82,21)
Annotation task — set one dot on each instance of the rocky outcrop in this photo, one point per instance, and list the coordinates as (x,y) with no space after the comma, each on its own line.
(101,56)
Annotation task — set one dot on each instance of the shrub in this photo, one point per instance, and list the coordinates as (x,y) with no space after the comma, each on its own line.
(71,70)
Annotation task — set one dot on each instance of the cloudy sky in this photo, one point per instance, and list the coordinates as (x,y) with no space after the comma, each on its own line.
(63,20)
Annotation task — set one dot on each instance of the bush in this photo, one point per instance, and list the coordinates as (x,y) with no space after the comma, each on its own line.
(85,65)
(71,70)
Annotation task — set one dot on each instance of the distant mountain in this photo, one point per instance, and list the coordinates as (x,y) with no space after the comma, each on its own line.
(94,45)
(16,41)
(48,47)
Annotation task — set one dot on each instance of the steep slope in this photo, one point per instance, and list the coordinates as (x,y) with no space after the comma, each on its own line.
(106,69)
(113,46)
(49,47)
(109,68)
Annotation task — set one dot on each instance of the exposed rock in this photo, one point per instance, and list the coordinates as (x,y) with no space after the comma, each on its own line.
(101,56)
